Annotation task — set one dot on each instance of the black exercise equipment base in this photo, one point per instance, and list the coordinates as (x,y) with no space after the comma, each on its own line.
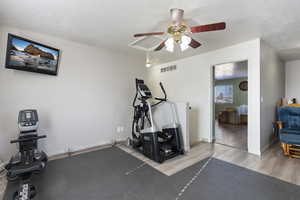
(150,146)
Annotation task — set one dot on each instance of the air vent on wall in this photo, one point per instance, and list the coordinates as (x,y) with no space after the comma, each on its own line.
(168,68)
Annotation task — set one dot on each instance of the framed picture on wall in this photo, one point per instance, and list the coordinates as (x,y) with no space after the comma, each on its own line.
(224,94)
(27,55)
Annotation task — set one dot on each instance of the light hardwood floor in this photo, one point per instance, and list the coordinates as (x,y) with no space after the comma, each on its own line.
(231,135)
(271,163)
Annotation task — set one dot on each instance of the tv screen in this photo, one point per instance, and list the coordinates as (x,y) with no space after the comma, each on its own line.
(27,55)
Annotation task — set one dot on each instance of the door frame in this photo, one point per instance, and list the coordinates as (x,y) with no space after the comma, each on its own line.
(212,99)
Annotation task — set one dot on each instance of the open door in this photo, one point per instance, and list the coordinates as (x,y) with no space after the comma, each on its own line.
(231,104)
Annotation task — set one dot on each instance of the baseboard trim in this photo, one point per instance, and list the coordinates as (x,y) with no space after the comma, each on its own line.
(266,147)
(204,140)
(83,151)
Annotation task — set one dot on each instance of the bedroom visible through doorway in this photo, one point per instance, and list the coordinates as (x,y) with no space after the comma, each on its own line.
(231,104)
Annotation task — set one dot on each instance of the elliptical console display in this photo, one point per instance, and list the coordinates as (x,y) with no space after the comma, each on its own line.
(158,145)
(29,159)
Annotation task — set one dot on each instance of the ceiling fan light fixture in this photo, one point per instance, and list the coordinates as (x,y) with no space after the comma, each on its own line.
(179,33)
(185,42)
(170,44)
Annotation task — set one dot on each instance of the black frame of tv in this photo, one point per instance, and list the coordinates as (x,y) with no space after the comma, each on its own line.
(29,69)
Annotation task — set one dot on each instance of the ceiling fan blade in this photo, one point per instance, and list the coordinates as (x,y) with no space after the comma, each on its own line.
(148,34)
(160,46)
(208,27)
(194,44)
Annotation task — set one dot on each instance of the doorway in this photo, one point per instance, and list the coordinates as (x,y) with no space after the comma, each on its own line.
(230,102)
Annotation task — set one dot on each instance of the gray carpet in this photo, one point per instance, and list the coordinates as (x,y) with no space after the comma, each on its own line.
(101,175)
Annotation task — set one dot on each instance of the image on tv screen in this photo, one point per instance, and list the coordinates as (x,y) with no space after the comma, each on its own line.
(26,55)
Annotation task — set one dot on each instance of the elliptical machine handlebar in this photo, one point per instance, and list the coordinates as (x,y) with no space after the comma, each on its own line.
(134,100)
(28,139)
(145,93)
(163,89)
(161,99)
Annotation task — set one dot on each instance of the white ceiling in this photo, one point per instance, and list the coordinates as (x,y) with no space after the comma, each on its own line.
(111,24)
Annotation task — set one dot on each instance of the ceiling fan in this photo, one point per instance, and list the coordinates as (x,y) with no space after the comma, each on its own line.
(180,33)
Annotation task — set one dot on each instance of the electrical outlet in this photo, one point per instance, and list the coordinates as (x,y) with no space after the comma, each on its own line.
(43,131)
(120,129)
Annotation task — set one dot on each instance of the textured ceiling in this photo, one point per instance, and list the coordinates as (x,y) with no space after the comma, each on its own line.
(111,24)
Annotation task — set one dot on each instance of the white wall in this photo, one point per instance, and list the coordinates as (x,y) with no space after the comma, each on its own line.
(292,80)
(272,90)
(192,82)
(79,108)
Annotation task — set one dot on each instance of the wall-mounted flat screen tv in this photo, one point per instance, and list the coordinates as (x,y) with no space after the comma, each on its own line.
(27,55)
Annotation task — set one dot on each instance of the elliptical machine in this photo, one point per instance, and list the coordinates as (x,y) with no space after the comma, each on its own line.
(146,138)
(29,159)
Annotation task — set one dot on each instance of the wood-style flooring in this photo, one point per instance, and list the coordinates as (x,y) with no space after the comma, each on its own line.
(231,135)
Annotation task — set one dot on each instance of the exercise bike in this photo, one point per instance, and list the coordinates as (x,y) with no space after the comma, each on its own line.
(29,159)
(158,145)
